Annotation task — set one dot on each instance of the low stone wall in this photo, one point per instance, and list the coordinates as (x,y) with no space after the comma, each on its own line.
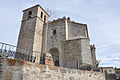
(21,70)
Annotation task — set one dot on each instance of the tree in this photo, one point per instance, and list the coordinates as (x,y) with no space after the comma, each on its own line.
(51,13)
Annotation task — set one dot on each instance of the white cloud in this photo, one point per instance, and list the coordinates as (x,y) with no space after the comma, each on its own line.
(115,62)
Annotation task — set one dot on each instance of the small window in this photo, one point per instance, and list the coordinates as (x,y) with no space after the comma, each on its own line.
(45,18)
(54,32)
(110,70)
(30,14)
(41,14)
(89,75)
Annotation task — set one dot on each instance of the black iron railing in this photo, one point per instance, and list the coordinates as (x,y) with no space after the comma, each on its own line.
(11,51)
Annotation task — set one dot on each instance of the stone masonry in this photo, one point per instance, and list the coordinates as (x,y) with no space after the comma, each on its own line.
(22,70)
(67,41)
(71,40)
(30,37)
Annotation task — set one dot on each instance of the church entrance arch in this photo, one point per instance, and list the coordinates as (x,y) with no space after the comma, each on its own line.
(55,55)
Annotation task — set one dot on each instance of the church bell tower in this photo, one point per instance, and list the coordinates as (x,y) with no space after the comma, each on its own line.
(31,31)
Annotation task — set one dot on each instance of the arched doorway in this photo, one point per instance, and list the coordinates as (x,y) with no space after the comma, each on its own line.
(55,54)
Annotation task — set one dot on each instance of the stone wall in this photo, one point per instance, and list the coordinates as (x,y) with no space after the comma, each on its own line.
(71,40)
(72,53)
(86,52)
(76,30)
(21,70)
(55,40)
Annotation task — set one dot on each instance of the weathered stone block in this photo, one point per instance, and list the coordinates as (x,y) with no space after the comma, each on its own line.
(8,75)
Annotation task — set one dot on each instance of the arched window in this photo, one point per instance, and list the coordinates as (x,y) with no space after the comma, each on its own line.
(44,18)
(54,32)
(41,14)
(30,14)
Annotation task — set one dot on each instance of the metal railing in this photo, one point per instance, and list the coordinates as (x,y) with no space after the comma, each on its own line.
(11,51)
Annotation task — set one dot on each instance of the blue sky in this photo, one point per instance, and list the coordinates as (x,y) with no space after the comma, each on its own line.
(101,16)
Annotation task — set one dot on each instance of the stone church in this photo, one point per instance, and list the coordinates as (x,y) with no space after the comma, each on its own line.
(66,41)
(49,50)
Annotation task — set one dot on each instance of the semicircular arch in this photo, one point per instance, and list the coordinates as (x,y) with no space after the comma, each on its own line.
(55,55)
